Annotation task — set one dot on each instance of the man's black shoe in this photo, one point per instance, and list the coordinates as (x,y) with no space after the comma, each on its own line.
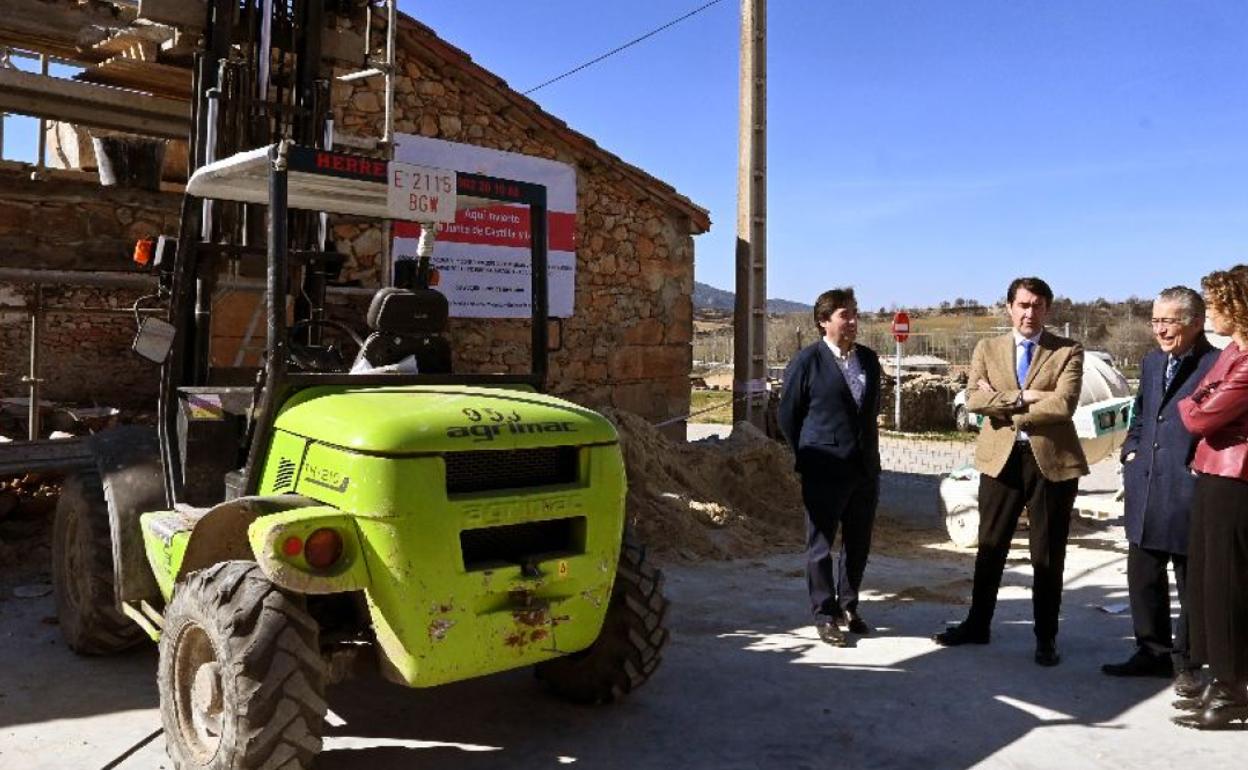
(1046,653)
(962,634)
(1188,683)
(1141,664)
(855,623)
(830,632)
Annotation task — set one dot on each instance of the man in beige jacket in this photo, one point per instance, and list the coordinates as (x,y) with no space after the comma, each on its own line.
(1026,385)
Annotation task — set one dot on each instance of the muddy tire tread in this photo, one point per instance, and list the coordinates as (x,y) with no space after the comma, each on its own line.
(96,626)
(275,704)
(629,648)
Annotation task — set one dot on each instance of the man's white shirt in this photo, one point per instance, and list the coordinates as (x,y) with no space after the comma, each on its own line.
(850,368)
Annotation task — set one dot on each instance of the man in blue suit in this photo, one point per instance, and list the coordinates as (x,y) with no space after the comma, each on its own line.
(828,413)
(1158,488)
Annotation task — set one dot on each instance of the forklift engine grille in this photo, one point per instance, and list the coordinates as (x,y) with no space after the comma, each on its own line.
(509,469)
(521,543)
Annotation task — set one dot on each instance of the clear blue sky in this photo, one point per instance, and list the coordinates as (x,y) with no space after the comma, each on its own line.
(919,151)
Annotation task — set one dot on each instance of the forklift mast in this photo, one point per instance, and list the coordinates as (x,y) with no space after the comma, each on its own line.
(258,78)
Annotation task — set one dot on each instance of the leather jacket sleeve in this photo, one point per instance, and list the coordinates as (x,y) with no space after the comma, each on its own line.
(1220,404)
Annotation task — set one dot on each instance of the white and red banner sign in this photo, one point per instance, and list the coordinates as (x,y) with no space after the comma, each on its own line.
(483,256)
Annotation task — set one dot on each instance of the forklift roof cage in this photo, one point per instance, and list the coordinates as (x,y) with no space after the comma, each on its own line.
(285,176)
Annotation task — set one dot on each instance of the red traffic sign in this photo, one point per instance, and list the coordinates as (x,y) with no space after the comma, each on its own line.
(901,326)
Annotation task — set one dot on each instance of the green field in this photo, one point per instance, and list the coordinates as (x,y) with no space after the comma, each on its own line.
(721,400)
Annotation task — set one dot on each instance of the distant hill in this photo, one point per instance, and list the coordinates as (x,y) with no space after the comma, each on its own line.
(707,297)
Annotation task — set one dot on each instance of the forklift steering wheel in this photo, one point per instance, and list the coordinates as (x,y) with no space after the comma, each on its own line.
(316,358)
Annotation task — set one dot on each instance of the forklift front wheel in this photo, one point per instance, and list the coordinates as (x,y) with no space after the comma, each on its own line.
(242,683)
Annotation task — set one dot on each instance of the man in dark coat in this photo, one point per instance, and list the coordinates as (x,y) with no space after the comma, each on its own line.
(828,411)
(1159,487)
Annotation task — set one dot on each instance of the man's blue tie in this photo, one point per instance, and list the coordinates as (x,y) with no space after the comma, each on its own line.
(1172,366)
(1024,361)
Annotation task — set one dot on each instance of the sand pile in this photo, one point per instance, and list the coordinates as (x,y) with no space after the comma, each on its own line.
(717,499)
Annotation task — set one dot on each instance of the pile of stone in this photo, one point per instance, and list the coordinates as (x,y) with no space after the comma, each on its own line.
(926,402)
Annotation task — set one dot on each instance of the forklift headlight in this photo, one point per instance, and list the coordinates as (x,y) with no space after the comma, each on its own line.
(323,548)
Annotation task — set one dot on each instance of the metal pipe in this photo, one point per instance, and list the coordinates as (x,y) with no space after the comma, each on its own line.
(35,428)
(387,137)
(76,278)
(392,26)
(539,301)
(41,161)
(274,383)
(361,75)
(84,311)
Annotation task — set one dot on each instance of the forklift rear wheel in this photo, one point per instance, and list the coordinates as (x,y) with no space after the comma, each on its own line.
(242,683)
(82,571)
(629,647)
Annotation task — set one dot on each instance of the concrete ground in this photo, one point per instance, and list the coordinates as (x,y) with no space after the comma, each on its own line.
(745,683)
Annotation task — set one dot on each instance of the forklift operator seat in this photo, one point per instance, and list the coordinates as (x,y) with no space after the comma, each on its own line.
(406,322)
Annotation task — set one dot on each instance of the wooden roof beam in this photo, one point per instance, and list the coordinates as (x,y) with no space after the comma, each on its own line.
(63,28)
(93,106)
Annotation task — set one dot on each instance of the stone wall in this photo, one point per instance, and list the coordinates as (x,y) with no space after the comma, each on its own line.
(627,344)
(69,222)
(84,358)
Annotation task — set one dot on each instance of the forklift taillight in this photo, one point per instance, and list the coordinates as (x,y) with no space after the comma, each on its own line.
(323,548)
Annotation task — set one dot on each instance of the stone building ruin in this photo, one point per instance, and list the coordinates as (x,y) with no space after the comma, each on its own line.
(627,344)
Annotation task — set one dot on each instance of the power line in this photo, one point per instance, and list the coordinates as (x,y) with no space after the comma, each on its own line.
(629,44)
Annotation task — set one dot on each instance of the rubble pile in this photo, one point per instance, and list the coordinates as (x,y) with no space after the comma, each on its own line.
(711,499)
(26,505)
(926,402)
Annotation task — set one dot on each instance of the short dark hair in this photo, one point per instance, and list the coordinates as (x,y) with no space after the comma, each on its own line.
(1032,284)
(831,301)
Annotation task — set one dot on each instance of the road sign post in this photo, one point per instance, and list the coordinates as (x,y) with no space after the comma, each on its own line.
(901,331)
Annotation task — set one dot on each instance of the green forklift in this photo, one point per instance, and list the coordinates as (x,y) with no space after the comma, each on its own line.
(286,525)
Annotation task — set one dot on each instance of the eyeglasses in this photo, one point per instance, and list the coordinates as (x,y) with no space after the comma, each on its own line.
(1167,321)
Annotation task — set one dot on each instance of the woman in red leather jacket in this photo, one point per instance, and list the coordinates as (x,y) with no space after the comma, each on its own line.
(1217,571)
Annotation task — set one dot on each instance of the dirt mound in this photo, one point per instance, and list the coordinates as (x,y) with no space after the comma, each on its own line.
(717,499)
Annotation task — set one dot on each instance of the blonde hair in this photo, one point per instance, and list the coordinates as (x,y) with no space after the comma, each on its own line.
(1226,292)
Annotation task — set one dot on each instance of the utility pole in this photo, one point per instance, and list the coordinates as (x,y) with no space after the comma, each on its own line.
(750,315)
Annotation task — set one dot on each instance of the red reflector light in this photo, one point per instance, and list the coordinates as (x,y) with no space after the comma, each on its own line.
(293,546)
(434,277)
(144,250)
(323,548)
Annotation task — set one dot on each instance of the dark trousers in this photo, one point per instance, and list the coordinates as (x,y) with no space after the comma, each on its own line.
(1217,592)
(1148,584)
(847,503)
(1001,502)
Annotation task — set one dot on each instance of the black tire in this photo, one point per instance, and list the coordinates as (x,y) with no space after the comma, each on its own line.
(242,682)
(82,571)
(629,648)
